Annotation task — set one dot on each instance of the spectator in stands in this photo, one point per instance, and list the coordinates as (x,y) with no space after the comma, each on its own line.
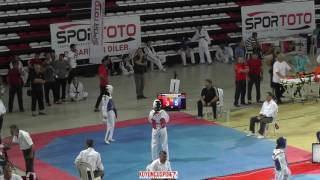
(37,82)
(255,76)
(267,114)
(240,50)
(280,70)
(51,56)
(125,65)
(49,75)
(15,83)
(72,59)
(209,97)
(224,54)
(26,145)
(24,74)
(204,41)
(316,39)
(186,51)
(104,79)
(252,45)
(31,63)
(91,157)
(76,90)
(154,57)
(241,70)
(61,71)
(8,175)
(139,70)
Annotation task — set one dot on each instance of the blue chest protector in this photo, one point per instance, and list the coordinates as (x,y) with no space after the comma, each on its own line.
(111,106)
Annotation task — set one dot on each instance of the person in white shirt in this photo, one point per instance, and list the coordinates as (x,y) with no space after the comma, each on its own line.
(281,167)
(91,157)
(160,164)
(154,57)
(26,145)
(76,90)
(204,41)
(267,114)
(280,71)
(8,175)
(72,59)
(109,113)
(224,54)
(159,119)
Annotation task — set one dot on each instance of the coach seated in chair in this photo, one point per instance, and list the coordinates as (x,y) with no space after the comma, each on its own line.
(209,97)
(267,114)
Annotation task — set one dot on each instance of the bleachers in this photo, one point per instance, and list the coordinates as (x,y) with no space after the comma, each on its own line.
(24,29)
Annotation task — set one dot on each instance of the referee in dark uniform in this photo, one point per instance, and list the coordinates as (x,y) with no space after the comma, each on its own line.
(209,97)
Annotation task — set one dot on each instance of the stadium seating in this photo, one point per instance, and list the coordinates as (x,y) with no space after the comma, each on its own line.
(24,29)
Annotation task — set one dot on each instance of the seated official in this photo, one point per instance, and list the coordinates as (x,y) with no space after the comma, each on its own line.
(93,158)
(160,164)
(209,97)
(267,114)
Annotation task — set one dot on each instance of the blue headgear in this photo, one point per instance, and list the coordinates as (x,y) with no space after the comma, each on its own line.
(281,143)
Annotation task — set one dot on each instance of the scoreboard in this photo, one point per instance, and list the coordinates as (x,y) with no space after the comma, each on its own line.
(173,101)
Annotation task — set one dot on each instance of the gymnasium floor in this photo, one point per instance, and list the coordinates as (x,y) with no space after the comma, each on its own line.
(297,122)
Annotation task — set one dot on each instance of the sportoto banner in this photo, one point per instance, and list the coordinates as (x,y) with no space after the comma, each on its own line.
(96,39)
(122,35)
(278,19)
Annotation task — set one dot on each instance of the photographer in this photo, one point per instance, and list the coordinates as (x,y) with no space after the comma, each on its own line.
(139,69)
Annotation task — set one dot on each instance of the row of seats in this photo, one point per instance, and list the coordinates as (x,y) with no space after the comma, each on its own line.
(176,9)
(161,32)
(13,24)
(16,2)
(21,12)
(183,19)
(32,45)
(9,36)
(145,2)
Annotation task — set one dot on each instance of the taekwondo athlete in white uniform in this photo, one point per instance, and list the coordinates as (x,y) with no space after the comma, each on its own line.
(154,57)
(204,41)
(109,113)
(159,119)
(282,171)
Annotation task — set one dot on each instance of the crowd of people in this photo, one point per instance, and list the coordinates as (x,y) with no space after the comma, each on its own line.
(59,77)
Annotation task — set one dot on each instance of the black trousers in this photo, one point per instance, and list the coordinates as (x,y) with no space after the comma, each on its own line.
(139,81)
(72,74)
(37,97)
(13,90)
(241,87)
(318,136)
(254,80)
(53,87)
(200,109)
(96,173)
(28,155)
(61,86)
(102,92)
(279,90)
(263,122)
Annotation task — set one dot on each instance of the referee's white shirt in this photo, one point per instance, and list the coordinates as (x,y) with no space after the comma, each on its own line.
(13,177)
(72,57)
(23,139)
(91,157)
